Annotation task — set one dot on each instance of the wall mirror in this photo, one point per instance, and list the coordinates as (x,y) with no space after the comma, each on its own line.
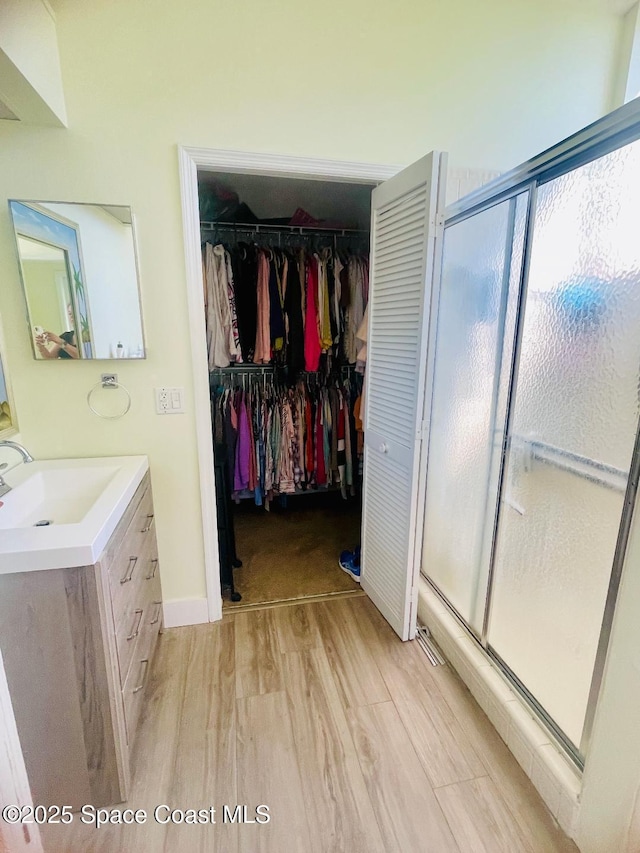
(80,278)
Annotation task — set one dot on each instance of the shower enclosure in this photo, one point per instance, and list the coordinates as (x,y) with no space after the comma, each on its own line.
(532,453)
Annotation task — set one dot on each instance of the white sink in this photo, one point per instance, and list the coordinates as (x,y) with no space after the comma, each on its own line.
(54,495)
(61,512)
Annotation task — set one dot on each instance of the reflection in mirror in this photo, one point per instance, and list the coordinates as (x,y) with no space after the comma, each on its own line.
(49,292)
(6,418)
(79,273)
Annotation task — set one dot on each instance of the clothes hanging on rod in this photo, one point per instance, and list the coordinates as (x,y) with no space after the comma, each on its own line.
(291,306)
(221,340)
(287,439)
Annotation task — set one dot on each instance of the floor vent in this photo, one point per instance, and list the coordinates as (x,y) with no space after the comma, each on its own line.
(426,643)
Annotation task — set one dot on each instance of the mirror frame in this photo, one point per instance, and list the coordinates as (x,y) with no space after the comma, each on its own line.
(36,206)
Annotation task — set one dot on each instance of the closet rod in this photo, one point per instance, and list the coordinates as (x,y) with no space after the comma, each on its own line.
(270,368)
(244,368)
(257,228)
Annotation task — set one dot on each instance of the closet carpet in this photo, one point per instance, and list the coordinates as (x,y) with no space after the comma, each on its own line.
(289,553)
(349,736)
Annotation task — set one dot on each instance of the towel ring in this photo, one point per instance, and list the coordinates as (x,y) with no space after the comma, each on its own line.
(109,381)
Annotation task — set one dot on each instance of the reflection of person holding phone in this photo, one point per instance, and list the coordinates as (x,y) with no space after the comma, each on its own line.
(64,345)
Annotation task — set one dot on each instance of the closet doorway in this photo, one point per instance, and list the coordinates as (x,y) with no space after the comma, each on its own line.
(285,268)
(290,550)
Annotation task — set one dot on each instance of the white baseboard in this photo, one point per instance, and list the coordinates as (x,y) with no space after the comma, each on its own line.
(185,611)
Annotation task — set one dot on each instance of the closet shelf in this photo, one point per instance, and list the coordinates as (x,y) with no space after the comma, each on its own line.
(257,228)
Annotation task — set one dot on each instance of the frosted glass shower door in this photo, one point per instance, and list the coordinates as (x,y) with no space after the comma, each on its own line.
(571,434)
(476,320)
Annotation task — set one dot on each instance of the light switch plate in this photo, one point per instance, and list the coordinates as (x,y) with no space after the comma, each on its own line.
(169,401)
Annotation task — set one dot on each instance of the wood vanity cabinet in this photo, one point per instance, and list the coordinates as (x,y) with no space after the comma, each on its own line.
(78,644)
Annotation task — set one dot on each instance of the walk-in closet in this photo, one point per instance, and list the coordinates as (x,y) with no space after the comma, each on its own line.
(286,277)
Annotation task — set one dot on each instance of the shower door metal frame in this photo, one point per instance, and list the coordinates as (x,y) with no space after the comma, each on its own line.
(615,130)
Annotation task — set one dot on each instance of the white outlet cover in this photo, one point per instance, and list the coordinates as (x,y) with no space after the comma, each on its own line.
(169,401)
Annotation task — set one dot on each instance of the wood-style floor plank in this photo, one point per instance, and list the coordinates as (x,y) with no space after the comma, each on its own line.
(257,654)
(337,804)
(439,740)
(268,774)
(406,808)
(296,628)
(204,772)
(480,819)
(352,661)
(517,790)
(442,747)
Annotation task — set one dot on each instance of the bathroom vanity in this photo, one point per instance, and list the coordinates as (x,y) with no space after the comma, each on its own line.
(78,635)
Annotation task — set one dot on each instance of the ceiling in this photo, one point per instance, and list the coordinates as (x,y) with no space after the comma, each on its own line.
(6,113)
(119,212)
(35,250)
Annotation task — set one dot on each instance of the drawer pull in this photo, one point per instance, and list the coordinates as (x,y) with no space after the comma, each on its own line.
(129,573)
(136,630)
(148,525)
(153,571)
(158,612)
(145,663)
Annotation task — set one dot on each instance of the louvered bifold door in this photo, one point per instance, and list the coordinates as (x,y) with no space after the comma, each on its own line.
(402,262)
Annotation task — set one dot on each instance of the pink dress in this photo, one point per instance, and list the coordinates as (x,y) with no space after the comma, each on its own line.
(312,346)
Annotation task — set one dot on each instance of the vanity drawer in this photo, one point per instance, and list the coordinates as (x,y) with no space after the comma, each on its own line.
(115,543)
(139,671)
(144,577)
(129,634)
(127,566)
(144,607)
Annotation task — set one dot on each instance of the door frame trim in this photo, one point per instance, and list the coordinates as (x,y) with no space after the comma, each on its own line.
(190,160)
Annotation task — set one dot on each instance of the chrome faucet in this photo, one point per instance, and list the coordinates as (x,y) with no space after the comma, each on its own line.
(26,457)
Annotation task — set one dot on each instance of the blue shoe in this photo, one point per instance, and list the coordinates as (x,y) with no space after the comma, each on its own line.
(350,563)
